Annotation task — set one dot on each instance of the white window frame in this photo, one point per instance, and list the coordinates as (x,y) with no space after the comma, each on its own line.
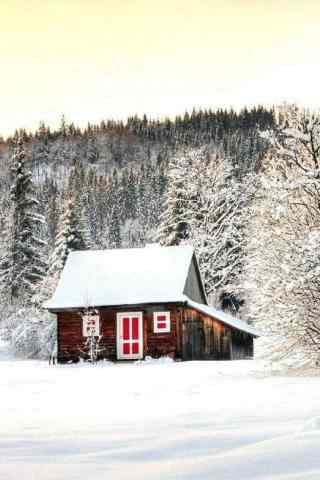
(96,331)
(167,320)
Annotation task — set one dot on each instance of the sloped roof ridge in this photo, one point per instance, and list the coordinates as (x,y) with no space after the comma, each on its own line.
(223,317)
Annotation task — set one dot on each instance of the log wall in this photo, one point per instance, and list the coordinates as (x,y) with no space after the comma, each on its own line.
(193,335)
(71,343)
(205,338)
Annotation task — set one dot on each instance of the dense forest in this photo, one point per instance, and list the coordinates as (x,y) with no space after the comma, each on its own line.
(216,179)
(120,170)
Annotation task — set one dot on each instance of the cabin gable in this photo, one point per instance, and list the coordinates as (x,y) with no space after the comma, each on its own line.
(194,288)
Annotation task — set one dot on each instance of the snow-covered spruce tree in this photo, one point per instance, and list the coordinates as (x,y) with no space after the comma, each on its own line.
(155,201)
(40,152)
(91,209)
(80,193)
(220,211)
(92,150)
(130,205)
(282,274)
(72,234)
(206,206)
(114,237)
(85,230)
(175,220)
(22,263)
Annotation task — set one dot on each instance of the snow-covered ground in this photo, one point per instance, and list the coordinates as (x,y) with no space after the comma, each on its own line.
(157,420)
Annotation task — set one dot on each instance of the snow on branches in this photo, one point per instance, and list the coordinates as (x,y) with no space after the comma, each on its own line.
(207,207)
(282,273)
(22,263)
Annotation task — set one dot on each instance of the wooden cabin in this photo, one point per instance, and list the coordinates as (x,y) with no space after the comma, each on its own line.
(146,302)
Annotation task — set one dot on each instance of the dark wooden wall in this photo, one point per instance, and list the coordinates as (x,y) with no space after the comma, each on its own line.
(71,344)
(193,336)
(205,338)
(70,340)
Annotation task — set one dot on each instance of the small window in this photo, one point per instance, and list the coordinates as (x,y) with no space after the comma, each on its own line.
(90,326)
(161,322)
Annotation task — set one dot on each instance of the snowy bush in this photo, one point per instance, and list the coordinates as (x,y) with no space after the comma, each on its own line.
(31,332)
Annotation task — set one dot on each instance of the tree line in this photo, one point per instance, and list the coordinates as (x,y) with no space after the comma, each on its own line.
(113,185)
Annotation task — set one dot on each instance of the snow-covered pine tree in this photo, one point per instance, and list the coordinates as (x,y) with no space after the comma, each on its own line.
(141,195)
(91,209)
(114,236)
(155,206)
(92,150)
(174,221)
(22,265)
(206,206)
(120,195)
(217,225)
(282,272)
(71,236)
(52,214)
(103,196)
(130,205)
(40,153)
(79,194)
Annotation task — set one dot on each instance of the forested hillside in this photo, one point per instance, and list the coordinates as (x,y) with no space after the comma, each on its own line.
(218,180)
(117,174)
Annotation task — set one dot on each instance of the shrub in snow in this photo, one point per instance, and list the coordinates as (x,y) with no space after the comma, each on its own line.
(32,333)
(91,329)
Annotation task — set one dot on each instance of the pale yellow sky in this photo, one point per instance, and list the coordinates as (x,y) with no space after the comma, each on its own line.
(93,59)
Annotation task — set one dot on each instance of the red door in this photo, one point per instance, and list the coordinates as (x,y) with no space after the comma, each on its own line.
(129,335)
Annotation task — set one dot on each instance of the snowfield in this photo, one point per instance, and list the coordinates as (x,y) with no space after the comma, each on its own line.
(157,420)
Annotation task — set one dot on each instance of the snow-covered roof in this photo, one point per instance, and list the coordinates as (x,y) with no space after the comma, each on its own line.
(134,276)
(123,277)
(224,317)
